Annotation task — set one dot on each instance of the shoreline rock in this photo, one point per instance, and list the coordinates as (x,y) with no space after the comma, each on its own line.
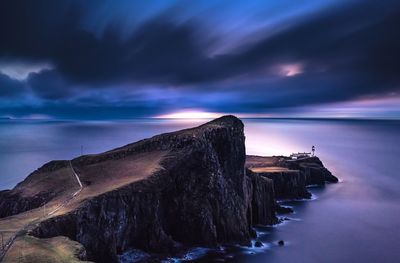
(290,177)
(313,169)
(283,209)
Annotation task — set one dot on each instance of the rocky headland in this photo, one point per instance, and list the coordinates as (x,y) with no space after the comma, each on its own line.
(194,187)
(290,176)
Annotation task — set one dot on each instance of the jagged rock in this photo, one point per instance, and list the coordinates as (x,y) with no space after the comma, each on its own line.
(313,169)
(258,243)
(290,177)
(289,184)
(283,209)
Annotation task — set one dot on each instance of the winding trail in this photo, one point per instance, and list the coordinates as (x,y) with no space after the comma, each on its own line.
(73,195)
(25,228)
(76,175)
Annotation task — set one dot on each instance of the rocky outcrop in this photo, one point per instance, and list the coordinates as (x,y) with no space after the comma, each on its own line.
(289,184)
(202,196)
(283,209)
(313,169)
(290,177)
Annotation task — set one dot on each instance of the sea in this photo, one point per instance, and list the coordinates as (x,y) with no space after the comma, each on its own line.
(355,220)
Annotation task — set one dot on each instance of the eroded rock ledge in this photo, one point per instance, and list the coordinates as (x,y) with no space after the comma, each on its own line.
(290,177)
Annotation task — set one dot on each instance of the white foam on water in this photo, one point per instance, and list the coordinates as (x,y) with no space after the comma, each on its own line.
(191,254)
(253,249)
(133,255)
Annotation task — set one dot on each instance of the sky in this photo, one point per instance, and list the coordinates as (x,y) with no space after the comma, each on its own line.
(105,59)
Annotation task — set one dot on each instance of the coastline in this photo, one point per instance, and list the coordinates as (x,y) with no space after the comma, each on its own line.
(262,210)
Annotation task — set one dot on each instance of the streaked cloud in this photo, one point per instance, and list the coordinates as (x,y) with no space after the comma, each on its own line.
(148,59)
(19,70)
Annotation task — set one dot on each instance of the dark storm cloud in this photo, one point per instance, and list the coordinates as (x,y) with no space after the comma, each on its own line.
(345,52)
(65,110)
(10,87)
(300,90)
(44,30)
(49,84)
(362,38)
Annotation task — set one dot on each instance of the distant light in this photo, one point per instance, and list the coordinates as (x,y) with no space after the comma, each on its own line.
(190,115)
(290,70)
(21,70)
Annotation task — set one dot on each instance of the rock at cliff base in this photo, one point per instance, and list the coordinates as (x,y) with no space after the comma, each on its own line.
(283,209)
(258,243)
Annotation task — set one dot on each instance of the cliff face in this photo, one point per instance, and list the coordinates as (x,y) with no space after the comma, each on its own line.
(290,177)
(313,169)
(289,184)
(201,196)
(261,191)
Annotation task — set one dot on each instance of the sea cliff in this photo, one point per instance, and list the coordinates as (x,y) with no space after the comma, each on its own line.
(201,196)
(290,176)
(193,187)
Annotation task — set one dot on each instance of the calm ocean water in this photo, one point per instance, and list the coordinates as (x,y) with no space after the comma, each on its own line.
(357,220)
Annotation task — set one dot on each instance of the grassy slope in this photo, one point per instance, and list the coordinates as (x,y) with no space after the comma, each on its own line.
(261,161)
(60,181)
(98,178)
(51,250)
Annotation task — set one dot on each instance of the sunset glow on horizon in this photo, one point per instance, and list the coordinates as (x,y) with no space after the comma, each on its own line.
(190,114)
(252,60)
